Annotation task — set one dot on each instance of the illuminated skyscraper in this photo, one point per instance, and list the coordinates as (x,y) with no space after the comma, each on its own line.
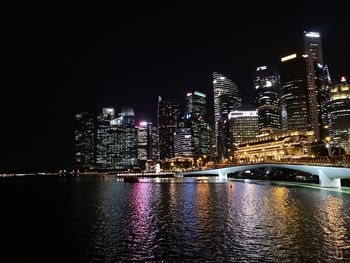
(168,118)
(267,100)
(183,143)
(129,156)
(339,113)
(295,111)
(196,103)
(313,46)
(317,88)
(226,99)
(105,140)
(244,126)
(147,141)
(195,119)
(85,141)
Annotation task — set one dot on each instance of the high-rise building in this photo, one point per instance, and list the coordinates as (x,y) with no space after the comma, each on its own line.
(267,100)
(316,86)
(339,113)
(196,103)
(142,141)
(244,126)
(183,143)
(130,137)
(147,141)
(313,46)
(226,99)
(105,140)
(295,113)
(85,141)
(195,119)
(168,117)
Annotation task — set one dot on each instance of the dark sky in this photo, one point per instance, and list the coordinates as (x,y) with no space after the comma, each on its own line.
(59,64)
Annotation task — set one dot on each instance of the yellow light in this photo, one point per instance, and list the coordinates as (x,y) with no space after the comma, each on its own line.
(328,138)
(289,57)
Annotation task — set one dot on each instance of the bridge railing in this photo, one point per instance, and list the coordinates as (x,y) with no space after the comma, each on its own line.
(342,161)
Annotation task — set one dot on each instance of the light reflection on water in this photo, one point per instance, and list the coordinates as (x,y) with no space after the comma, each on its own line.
(198,220)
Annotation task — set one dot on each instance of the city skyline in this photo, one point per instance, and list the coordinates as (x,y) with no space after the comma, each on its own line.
(53,89)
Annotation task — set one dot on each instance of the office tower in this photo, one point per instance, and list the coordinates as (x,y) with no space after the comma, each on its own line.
(316,88)
(295,113)
(85,141)
(339,113)
(105,140)
(313,46)
(196,103)
(267,100)
(183,143)
(130,137)
(244,126)
(147,141)
(323,87)
(168,116)
(195,118)
(226,99)
(142,141)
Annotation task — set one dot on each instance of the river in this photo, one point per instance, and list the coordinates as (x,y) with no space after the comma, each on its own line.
(93,219)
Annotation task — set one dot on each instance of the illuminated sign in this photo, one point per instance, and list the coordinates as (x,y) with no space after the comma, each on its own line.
(289,57)
(343,79)
(312,34)
(319,65)
(189,94)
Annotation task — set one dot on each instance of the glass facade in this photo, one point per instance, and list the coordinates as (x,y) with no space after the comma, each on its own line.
(226,99)
(339,113)
(266,86)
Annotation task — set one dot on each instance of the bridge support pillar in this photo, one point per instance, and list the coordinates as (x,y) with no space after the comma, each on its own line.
(222,177)
(325,181)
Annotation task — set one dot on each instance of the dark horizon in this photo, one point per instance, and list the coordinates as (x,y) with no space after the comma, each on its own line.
(59,65)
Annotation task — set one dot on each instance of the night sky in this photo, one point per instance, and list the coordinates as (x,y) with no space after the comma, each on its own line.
(59,64)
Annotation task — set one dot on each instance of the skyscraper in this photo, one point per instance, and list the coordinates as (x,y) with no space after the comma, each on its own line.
(313,46)
(316,88)
(295,111)
(129,158)
(226,99)
(168,117)
(183,143)
(105,140)
(267,100)
(339,113)
(196,103)
(147,141)
(195,119)
(244,126)
(85,141)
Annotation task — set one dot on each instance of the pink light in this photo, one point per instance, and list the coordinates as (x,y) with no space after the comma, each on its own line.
(143,123)
(189,94)
(343,79)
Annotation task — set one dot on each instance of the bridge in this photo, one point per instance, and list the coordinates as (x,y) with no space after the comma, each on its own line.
(328,176)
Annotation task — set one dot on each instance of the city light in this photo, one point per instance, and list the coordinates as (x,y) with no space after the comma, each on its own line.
(288,57)
(312,34)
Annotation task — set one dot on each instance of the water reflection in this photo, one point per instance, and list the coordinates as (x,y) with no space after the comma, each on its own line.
(183,220)
(141,228)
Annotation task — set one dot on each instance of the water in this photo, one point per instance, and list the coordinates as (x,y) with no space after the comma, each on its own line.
(88,219)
